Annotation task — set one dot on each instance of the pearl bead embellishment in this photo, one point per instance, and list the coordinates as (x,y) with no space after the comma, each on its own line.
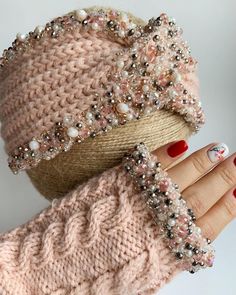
(72,132)
(171,222)
(120,64)
(21,37)
(122,108)
(39,30)
(34,145)
(81,14)
(146,76)
(174,219)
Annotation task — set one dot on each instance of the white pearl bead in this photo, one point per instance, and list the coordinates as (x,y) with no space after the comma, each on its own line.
(116,88)
(172,93)
(179,240)
(171,222)
(121,33)
(125,74)
(120,64)
(122,107)
(67,119)
(158,70)
(95,26)
(56,28)
(21,37)
(129,117)
(72,132)
(134,49)
(115,122)
(177,77)
(38,30)
(145,88)
(34,145)
(151,164)
(89,116)
(90,122)
(165,31)
(81,14)
(189,253)
(153,95)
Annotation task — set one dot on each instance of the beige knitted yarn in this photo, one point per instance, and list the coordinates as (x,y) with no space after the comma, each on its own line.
(58,176)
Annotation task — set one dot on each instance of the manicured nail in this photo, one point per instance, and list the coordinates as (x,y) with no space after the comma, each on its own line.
(177,148)
(235,161)
(218,152)
(234,193)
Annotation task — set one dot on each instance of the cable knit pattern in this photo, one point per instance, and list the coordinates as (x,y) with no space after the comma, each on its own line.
(99,239)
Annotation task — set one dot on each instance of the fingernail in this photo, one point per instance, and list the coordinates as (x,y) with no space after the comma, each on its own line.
(218,152)
(234,193)
(235,161)
(177,148)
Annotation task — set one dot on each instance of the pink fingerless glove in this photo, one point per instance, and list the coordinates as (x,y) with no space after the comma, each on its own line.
(98,239)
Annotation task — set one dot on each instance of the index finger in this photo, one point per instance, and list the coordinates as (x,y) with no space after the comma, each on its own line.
(168,154)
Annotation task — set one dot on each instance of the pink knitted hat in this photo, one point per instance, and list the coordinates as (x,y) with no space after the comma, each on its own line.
(60,83)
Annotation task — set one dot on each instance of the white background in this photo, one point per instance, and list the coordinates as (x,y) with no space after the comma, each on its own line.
(210,28)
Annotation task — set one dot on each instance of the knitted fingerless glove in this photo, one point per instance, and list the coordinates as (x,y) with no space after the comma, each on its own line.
(98,239)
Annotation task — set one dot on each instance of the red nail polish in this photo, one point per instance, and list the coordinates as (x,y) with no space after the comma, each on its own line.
(234,193)
(235,161)
(177,148)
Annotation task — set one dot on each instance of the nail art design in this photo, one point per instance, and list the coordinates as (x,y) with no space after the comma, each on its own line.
(218,152)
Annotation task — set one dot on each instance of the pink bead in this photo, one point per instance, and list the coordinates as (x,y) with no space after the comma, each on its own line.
(84,132)
(106,110)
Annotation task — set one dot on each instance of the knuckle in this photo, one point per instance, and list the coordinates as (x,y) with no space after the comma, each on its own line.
(228,177)
(209,230)
(199,164)
(196,204)
(229,208)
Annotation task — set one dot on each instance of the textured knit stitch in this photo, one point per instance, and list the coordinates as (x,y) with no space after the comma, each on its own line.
(98,239)
(52,78)
(56,79)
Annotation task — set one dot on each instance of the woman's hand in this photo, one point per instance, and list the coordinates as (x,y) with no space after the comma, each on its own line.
(207,181)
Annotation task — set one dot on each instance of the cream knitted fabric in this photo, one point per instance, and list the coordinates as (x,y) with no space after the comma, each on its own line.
(99,239)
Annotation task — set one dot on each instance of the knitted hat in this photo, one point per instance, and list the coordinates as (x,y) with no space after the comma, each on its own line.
(55,91)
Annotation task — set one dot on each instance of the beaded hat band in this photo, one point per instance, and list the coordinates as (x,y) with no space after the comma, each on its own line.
(51,95)
(169,210)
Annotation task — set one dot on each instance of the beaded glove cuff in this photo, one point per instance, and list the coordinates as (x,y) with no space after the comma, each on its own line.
(169,210)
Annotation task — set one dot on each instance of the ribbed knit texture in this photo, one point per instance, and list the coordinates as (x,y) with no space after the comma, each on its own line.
(54,77)
(100,239)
